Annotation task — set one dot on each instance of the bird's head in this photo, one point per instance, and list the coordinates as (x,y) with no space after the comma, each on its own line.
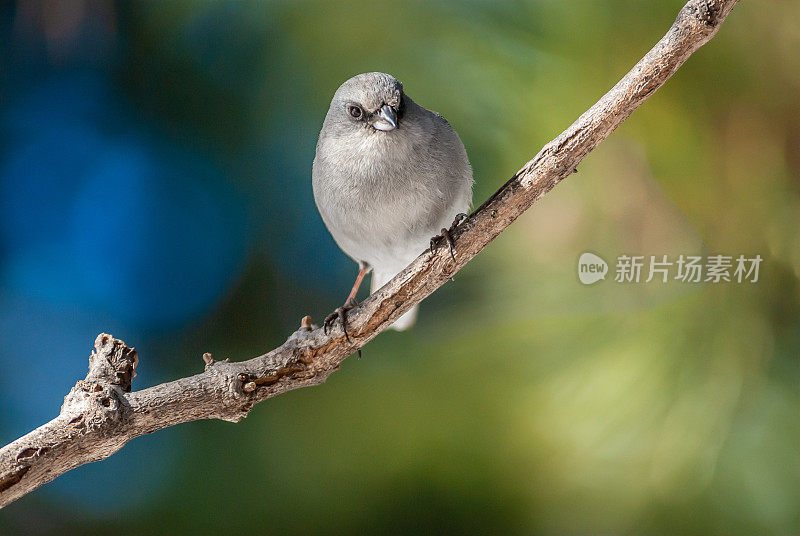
(371,101)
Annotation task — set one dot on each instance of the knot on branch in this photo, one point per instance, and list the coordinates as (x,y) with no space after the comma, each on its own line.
(96,400)
(112,362)
(709,12)
(250,382)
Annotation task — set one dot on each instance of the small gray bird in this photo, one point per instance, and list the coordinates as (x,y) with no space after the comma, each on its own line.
(388,175)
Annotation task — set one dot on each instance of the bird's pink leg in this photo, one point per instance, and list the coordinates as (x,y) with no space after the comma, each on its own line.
(361,273)
(339,313)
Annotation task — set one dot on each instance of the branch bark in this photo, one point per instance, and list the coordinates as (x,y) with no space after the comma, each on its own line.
(100,414)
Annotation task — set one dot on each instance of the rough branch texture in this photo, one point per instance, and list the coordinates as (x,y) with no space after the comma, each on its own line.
(100,415)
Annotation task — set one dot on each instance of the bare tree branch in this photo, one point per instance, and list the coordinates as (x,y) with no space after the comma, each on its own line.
(100,415)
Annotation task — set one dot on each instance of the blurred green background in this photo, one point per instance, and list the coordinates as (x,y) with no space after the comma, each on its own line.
(155,161)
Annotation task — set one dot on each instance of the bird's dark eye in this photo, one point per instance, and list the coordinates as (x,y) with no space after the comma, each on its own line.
(355,111)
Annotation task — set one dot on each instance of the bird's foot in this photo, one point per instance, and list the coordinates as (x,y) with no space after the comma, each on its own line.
(341,314)
(446,235)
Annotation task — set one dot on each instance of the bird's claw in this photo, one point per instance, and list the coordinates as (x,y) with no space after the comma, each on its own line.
(446,235)
(339,313)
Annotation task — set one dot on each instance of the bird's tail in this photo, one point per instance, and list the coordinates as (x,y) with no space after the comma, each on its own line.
(405,321)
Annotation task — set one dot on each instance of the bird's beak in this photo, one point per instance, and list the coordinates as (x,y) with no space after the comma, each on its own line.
(387,119)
